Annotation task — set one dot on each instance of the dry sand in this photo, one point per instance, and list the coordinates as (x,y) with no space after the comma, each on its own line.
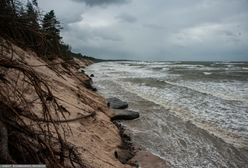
(96,138)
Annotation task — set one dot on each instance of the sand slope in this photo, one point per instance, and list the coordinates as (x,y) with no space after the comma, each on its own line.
(96,138)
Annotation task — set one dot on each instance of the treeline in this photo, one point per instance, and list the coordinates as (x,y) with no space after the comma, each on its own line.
(31,116)
(26,26)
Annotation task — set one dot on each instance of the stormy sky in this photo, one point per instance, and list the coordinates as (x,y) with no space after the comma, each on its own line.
(155,29)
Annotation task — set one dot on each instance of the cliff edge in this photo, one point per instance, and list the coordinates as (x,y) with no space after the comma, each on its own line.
(84,123)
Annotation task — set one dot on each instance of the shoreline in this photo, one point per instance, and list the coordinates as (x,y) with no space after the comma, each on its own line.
(94,138)
(140,157)
(100,141)
(131,153)
(159,130)
(146,159)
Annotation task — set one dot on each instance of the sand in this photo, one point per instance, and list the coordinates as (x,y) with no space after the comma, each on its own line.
(96,138)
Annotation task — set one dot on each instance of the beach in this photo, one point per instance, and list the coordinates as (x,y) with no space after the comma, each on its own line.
(167,117)
(85,123)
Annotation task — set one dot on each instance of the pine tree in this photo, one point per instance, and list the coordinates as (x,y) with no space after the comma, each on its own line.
(51,27)
(32,16)
(35,3)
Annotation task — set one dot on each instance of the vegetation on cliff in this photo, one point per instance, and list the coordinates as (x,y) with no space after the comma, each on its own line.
(27,136)
(26,26)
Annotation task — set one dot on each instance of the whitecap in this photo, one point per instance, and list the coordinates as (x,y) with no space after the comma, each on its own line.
(207,73)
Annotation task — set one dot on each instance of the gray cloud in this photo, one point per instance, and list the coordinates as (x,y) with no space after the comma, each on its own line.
(154,26)
(155,30)
(66,10)
(229,33)
(101,2)
(127,18)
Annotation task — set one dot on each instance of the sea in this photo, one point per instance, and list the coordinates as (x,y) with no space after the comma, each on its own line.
(192,114)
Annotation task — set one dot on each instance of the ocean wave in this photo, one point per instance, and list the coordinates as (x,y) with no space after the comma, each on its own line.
(220,104)
(207,73)
(174,108)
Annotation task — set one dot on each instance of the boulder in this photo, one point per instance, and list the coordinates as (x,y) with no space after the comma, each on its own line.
(116,103)
(88,83)
(91,75)
(81,70)
(123,155)
(94,89)
(125,115)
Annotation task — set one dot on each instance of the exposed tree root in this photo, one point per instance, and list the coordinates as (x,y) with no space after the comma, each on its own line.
(4,154)
(65,120)
(28,137)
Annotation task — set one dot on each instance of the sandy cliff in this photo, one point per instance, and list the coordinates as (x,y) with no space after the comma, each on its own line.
(95,137)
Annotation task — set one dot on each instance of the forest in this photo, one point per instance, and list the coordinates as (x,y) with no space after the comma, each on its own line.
(27,26)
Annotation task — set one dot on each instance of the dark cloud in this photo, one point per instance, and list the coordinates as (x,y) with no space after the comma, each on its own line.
(126,18)
(105,52)
(229,33)
(154,26)
(155,30)
(101,2)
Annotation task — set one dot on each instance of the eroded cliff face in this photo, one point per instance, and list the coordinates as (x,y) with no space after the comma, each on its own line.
(95,137)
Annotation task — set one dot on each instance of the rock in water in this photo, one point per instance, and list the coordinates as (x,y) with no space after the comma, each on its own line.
(94,89)
(123,155)
(88,83)
(125,115)
(92,75)
(81,69)
(116,103)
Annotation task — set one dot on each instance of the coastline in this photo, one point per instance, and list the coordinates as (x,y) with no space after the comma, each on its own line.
(86,125)
(100,142)
(88,118)
(160,131)
(128,152)
(139,156)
